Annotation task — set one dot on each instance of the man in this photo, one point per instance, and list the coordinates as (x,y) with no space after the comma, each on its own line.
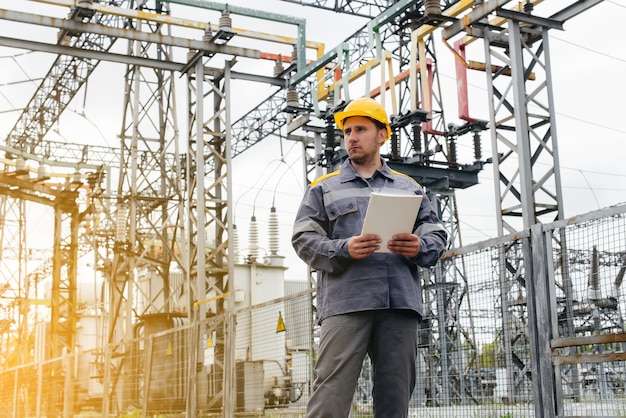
(368,302)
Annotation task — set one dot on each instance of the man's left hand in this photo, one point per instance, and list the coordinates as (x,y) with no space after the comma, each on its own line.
(404,244)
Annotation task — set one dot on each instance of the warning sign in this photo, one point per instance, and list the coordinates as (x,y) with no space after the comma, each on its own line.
(280,327)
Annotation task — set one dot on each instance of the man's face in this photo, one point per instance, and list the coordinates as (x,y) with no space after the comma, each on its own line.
(363,139)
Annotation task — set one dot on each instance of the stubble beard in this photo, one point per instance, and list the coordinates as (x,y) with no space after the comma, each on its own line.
(361,159)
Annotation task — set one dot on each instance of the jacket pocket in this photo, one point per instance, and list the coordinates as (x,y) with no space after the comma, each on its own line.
(341,207)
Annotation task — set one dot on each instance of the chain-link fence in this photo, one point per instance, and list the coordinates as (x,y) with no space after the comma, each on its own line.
(520,326)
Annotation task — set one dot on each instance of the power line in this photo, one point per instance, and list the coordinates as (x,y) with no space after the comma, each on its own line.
(588,122)
(615,3)
(603,173)
(613,57)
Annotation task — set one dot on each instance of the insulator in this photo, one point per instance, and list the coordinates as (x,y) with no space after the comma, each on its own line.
(417,130)
(452,151)
(41,172)
(226,23)
(274,246)
(294,55)
(620,274)
(292,97)
(278,69)
(594,293)
(235,242)
(83,9)
(121,218)
(432,7)
(528,7)
(594,280)
(478,152)
(208,35)
(395,146)
(330,137)
(253,238)
(97,215)
(20,164)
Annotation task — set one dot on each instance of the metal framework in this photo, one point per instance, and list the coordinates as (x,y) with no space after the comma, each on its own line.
(172,206)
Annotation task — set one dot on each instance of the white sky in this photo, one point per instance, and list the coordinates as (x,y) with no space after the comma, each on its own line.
(588,62)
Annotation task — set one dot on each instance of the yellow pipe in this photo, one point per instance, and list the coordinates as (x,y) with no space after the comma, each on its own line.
(211,299)
(40,302)
(452,11)
(392,83)
(480,66)
(174,21)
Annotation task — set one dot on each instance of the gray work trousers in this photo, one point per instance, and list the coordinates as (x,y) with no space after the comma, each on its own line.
(390,339)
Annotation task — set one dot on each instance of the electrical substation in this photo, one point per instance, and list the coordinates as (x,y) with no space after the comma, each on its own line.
(143,300)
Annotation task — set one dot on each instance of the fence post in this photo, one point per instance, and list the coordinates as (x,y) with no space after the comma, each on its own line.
(68,394)
(541,320)
(39,395)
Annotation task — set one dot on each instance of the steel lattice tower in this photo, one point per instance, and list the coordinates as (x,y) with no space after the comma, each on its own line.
(172,207)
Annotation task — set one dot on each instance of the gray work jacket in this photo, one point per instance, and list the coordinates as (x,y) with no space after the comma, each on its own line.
(332,211)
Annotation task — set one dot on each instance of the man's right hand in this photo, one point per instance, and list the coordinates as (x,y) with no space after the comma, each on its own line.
(361,246)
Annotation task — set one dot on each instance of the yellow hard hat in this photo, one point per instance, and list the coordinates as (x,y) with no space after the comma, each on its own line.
(364,106)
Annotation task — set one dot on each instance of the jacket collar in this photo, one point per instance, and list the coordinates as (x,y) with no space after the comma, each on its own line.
(348,173)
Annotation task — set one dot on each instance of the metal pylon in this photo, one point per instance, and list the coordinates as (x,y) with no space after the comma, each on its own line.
(526,169)
(208,202)
(526,158)
(147,215)
(67,75)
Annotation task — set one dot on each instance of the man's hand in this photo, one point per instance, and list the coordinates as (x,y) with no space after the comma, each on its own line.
(361,246)
(404,244)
